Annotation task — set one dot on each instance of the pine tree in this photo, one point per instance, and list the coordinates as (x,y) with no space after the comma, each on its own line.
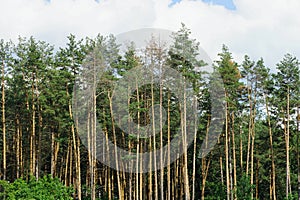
(5,60)
(230,74)
(286,82)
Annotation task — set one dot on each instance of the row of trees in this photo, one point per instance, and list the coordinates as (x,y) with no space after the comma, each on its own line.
(42,132)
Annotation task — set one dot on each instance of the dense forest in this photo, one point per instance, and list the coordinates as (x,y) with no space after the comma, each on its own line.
(46,144)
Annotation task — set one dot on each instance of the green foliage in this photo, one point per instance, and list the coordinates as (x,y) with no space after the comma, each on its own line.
(46,188)
(244,188)
(38,82)
(217,191)
(292,197)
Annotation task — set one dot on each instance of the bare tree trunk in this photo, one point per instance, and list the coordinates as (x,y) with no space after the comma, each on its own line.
(76,150)
(169,151)
(150,193)
(150,186)
(195,150)
(184,143)
(89,181)
(234,157)
(71,182)
(78,164)
(32,135)
(138,142)
(227,154)
(230,166)
(287,140)
(130,185)
(141,175)
(52,152)
(176,182)
(161,134)
(221,169)
(67,163)
(241,148)
(3,122)
(204,165)
(154,145)
(17,124)
(273,175)
(21,161)
(252,160)
(252,122)
(90,137)
(39,156)
(249,132)
(298,160)
(120,190)
(93,137)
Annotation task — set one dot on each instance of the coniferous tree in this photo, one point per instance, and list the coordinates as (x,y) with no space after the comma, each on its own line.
(287,84)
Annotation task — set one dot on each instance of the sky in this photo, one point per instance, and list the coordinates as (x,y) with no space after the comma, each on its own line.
(258,28)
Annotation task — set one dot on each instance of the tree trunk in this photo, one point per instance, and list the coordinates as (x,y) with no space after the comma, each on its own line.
(169,150)
(227,153)
(120,190)
(230,166)
(154,145)
(67,163)
(241,148)
(18,149)
(249,132)
(161,133)
(221,169)
(75,148)
(195,150)
(3,122)
(252,161)
(287,140)
(273,175)
(138,142)
(234,157)
(32,135)
(52,152)
(205,167)
(39,155)
(298,160)
(184,143)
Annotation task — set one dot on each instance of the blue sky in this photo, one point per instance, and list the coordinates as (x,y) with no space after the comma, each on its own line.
(226,3)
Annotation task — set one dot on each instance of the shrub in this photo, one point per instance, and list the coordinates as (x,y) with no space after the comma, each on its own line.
(46,188)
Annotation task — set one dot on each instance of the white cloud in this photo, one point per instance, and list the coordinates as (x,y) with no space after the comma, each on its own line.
(260,28)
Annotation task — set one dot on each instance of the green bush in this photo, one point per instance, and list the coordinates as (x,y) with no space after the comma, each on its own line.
(244,188)
(46,188)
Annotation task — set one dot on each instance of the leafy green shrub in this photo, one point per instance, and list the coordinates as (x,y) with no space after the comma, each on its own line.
(215,191)
(46,188)
(244,188)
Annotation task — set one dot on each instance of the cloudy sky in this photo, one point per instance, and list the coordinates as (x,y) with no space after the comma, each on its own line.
(260,28)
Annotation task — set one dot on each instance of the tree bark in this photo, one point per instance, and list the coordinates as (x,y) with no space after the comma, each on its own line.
(184,143)
(287,140)
(273,174)
(120,189)
(234,157)
(3,121)
(195,149)
(75,147)
(227,153)
(169,150)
